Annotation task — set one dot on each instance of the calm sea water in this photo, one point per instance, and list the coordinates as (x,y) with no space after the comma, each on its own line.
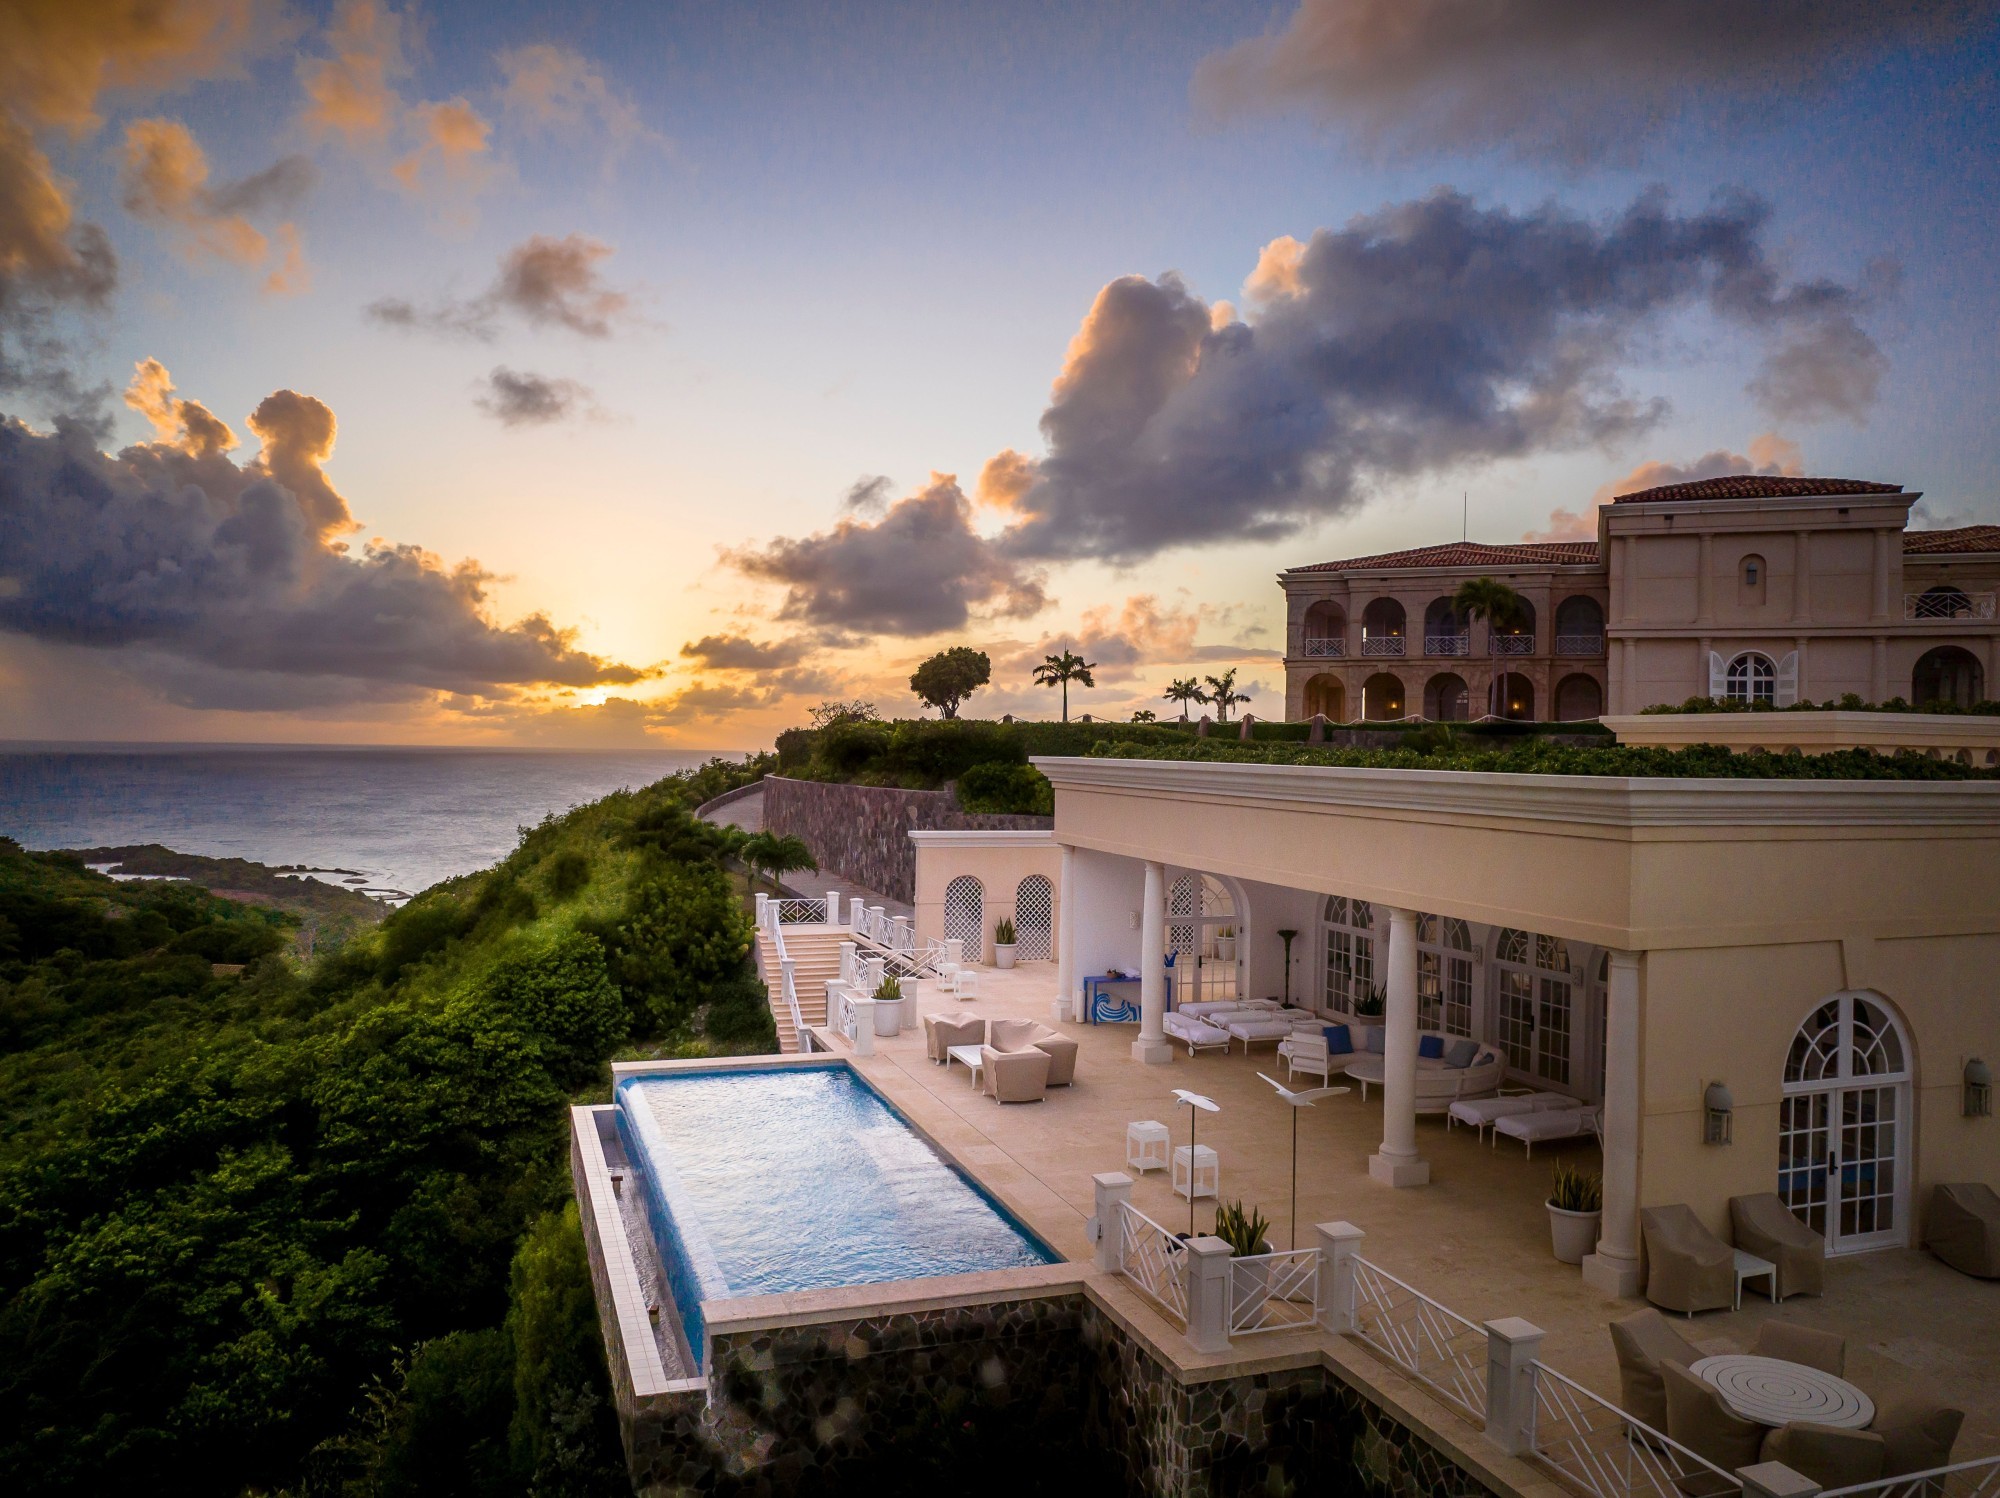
(401,819)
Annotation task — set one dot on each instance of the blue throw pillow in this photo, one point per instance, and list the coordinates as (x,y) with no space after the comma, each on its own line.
(1338,1041)
(1460,1053)
(1373,1042)
(1430,1047)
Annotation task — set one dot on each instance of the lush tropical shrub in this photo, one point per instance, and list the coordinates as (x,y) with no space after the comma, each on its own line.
(1019,789)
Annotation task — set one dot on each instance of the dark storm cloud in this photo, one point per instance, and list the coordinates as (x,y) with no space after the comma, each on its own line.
(517,398)
(234,574)
(545,282)
(920,568)
(738,653)
(1429,335)
(1569,80)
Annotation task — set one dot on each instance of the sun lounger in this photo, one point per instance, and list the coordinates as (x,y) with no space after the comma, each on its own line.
(1195,1033)
(1565,1123)
(1253,1027)
(1479,1113)
(1210,1009)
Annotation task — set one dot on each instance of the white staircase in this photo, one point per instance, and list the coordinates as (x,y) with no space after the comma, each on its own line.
(815,954)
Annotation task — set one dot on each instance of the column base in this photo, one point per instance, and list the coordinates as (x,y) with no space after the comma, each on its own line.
(1414,1171)
(1153,1052)
(1609,1276)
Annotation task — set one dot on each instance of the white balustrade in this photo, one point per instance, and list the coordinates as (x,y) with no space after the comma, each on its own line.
(1580,644)
(1975,1479)
(1154,1260)
(1428,1340)
(1382,644)
(1275,1292)
(1448,644)
(1510,644)
(1948,603)
(1327,646)
(1608,1452)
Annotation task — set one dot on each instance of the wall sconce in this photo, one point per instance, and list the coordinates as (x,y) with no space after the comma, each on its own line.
(1718,1110)
(1978,1089)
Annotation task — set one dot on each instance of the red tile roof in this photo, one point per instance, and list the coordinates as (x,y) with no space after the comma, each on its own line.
(1973,538)
(1470,554)
(1755,486)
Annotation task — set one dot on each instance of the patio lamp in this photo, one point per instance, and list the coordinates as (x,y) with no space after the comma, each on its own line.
(1299,1100)
(1978,1089)
(1196,1104)
(1288,937)
(1718,1109)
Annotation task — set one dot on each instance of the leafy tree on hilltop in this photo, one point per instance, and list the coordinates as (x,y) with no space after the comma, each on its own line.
(951,676)
(833,713)
(1061,670)
(778,856)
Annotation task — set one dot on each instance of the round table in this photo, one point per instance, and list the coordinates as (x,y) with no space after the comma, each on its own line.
(1774,1392)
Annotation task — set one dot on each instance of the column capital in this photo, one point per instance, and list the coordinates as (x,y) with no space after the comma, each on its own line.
(1622,959)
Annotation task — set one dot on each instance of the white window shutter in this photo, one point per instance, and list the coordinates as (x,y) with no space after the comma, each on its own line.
(1718,675)
(1788,680)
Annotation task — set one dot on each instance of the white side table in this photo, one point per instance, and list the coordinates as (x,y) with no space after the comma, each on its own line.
(1206,1174)
(1146,1145)
(1750,1267)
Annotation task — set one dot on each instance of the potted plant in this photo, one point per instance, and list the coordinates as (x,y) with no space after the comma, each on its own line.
(1576,1203)
(1245,1233)
(1225,944)
(889,1002)
(1368,1012)
(1003,944)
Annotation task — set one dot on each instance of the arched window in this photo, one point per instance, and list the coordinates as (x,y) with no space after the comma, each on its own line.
(965,915)
(1347,948)
(1445,633)
(1516,638)
(1446,699)
(1034,919)
(1382,696)
(1750,677)
(1444,974)
(1325,629)
(1750,580)
(1382,626)
(1578,697)
(1534,1004)
(1579,619)
(1942,602)
(1950,675)
(1843,1124)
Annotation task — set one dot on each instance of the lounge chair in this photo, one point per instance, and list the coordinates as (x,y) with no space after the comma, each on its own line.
(1801,1344)
(1643,1341)
(1249,1028)
(1688,1268)
(1698,1418)
(1764,1225)
(1963,1228)
(943,1031)
(1195,1033)
(1919,1433)
(1552,1123)
(1013,1076)
(1831,1455)
(1015,1035)
(1480,1112)
(1303,1052)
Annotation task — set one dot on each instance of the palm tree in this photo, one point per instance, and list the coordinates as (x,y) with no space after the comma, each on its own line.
(1222,692)
(1183,689)
(1502,609)
(777,856)
(1061,670)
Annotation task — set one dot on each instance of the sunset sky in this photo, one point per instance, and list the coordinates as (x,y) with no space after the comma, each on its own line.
(615,374)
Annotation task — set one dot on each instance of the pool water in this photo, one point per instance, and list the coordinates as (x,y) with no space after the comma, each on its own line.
(801,1178)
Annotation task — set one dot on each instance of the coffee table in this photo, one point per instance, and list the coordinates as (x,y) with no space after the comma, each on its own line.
(1772,1391)
(967,1056)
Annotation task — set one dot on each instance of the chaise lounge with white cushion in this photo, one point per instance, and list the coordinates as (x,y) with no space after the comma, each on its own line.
(1480,1113)
(1268,1024)
(1443,1078)
(1529,1128)
(1195,1033)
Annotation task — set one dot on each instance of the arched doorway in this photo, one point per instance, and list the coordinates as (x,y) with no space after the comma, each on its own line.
(1579,626)
(1577,697)
(1534,1006)
(1948,674)
(1325,630)
(1382,696)
(1844,1124)
(1444,975)
(1382,628)
(1446,699)
(1202,935)
(1325,695)
(1445,633)
(1517,638)
(1347,952)
(1516,696)
(965,915)
(1034,919)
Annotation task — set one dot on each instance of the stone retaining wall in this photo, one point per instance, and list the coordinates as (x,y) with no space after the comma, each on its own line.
(861,832)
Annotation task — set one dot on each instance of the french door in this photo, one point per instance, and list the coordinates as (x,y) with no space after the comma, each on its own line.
(1535,1015)
(1839,1153)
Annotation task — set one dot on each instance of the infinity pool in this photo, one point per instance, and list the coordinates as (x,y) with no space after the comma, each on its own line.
(801,1178)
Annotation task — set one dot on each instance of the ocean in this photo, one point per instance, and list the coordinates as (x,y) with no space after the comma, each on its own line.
(398,819)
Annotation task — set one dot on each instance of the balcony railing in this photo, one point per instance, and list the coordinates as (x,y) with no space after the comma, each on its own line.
(1592,644)
(1328,645)
(1510,644)
(1948,603)
(1382,644)
(1448,644)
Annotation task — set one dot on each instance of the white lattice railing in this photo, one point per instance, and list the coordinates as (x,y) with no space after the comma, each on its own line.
(1510,644)
(1448,644)
(1598,1447)
(1592,644)
(1978,1479)
(793,912)
(1949,603)
(896,935)
(1329,645)
(1274,1292)
(1382,644)
(1154,1260)
(1429,1341)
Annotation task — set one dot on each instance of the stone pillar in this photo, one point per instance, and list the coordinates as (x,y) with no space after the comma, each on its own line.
(1151,1047)
(1511,1345)
(1339,1242)
(1801,576)
(1397,1163)
(864,1024)
(762,901)
(1704,588)
(1106,1228)
(1066,934)
(1207,1266)
(1614,1268)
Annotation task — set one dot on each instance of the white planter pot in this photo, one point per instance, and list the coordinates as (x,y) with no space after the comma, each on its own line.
(1225,949)
(1574,1234)
(889,1015)
(1003,955)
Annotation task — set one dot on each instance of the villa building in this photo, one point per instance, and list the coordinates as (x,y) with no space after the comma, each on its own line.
(1760,588)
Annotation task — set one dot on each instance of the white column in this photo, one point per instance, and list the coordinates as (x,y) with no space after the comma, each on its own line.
(1066,934)
(1207,1268)
(1512,1345)
(1801,576)
(1397,1162)
(1339,1242)
(1113,1193)
(1614,1268)
(1151,1047)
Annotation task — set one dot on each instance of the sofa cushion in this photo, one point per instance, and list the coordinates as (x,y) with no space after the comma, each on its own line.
(1460,1053)
(1372,1042)
(1430,1047)
(1339,1040)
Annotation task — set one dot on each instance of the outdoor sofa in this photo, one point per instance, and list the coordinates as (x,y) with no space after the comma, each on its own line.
(1442,1078)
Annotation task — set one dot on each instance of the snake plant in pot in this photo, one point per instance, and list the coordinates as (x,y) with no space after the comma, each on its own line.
(1003,944)
(1247,1234)
(890,1003)
(1576,1205)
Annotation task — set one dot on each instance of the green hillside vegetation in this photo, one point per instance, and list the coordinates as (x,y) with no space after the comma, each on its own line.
(333,913)
(308,1228)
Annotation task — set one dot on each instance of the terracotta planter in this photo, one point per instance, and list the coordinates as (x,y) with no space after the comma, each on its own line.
(1573,1234)
(1003,955)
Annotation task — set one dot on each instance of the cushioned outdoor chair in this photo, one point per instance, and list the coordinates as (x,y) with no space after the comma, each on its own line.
(1831,1455)
(1012,1034)
(1918,1433)
(1801,1344)
(1963,1228)
(1305,1053)
(1643,1341)
(1688,1268)
(1013,1076)
(1764,1225)
(1061,1053)
(1698,1419)
(943,1031)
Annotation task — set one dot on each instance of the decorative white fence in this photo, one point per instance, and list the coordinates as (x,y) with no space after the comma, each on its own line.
(788,983)
(1429,1341)
(1579,644)
(1948,603)
(1448,644)
(1598,1447)
(1510,644)
(896,935)
(1980,1479)
(794,912)
(1154,1260)
(1276,1292)
(1382,644)
(1330,645)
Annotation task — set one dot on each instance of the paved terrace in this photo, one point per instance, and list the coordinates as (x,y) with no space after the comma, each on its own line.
(1476,1238)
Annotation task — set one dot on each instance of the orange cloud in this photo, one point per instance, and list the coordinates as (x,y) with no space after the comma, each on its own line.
(185,425)
(291,275)
(350,93)
(297,432)
(1276,273)
(452,137)
(1005,478)
(557,89)
(1769,453)
(164,175)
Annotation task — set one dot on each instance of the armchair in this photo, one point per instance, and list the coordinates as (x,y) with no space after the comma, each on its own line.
(1764,1225)
(1688,1268)
(1013,1076)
